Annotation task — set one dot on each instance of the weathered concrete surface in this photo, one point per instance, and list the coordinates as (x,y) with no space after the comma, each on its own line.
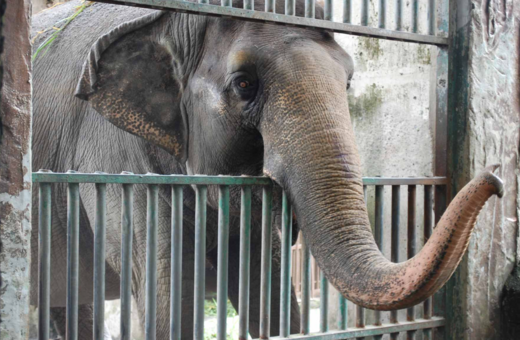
(15,172)
(484,129)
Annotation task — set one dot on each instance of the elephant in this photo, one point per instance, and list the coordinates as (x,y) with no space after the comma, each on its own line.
(149,91)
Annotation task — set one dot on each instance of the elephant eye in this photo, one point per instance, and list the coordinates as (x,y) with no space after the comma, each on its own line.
(244,84)
(245,87)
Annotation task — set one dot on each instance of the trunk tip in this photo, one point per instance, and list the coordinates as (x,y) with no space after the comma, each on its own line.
(493,179)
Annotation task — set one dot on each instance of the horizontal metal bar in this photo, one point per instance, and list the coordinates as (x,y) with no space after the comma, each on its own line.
(150,179)
(209,180)
(404,326)
(189,7)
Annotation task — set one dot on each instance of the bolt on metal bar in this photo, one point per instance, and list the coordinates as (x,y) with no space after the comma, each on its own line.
(265,276)
(290,7)
(415,16)
(347,11)
(342,313)
(100,224)
(382,13)
(310,9)
(44,260)
(152,222)
(396,208)
(285,285)
(398,15)
(72,260)
(412,189)
(378,233)
(200,260)
(428,229)
(306,288)
(431,17)
(222,259)
(328,9)
(176,262)
(364,12)
(270,6)
(245,258)
(127,230)
(324,303)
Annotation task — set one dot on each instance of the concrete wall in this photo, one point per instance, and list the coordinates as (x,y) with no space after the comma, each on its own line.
(484,129)
(15,172)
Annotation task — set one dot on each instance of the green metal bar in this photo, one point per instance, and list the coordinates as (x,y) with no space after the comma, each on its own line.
(226,3)
(209,180)
(149,179)
(176,261)
(306,288)
(378,233)
(342,313)
(245,258)
(396,208)
(285,294)
(347,11)
(360,311)
(412,189)
(428,229)
(265,276)
(223,256)
(44,260)
(249,5)
(328,10)
(370,330)
(152,222)
(72,260)
(270,6)
(382,13)
(290,7)
(415,15)
(310,9)
(364,12)
(324,303)
(100,224)
(127,230)
(200,260)
(398,15)
(432,6)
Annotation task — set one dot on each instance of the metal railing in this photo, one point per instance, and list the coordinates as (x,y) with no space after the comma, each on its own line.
(200,184)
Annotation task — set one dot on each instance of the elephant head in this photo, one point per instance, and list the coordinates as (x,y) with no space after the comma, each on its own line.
(235,97)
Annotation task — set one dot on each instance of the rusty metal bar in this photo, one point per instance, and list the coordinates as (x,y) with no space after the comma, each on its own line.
(306,288)
(412,189)
(428,229)
(152,222)
(396,208)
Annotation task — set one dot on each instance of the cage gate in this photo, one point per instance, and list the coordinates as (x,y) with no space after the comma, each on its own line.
(435,199)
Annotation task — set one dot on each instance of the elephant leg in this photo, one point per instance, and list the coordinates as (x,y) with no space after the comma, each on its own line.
(85,314)
(254,294)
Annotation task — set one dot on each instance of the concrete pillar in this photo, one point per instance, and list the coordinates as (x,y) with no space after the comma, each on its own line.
(15,171)
(484,124)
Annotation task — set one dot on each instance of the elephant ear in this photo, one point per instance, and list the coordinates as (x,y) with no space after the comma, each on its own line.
(131,77)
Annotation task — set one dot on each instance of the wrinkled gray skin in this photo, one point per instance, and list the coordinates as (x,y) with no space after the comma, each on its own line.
(183,68)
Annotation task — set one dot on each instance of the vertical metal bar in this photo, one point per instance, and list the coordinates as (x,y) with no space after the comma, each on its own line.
(245,256)
(176,261)
(382,13)
(200,260)
(431,17)
(99,261)
(324,303)
(310,9)
(328,10)
(378,233)
(72,259)
(285,284)
(203,1)
(364,12)
(396,207)
(306,288)
(222,259)
(412,189)
(270,6)
(415,16)
(342,313)
(127,226)
(44,260)
(249,4)
(290,7)
(398,15)
(265,277)
(152,222)
(428,229)
(226,3)
(347,11)
(360,311)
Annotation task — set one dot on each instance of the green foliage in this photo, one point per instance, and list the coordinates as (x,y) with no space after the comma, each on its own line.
(210,308)
(45,45)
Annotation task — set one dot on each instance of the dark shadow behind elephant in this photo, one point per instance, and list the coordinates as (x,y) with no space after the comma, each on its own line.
(128,89)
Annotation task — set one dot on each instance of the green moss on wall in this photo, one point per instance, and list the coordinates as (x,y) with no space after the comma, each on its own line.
(370,47)
(367,103)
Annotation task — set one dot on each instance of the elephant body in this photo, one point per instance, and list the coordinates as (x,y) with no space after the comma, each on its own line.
(129,89)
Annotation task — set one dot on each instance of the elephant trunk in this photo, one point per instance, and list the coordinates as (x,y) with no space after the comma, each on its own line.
(311,152)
